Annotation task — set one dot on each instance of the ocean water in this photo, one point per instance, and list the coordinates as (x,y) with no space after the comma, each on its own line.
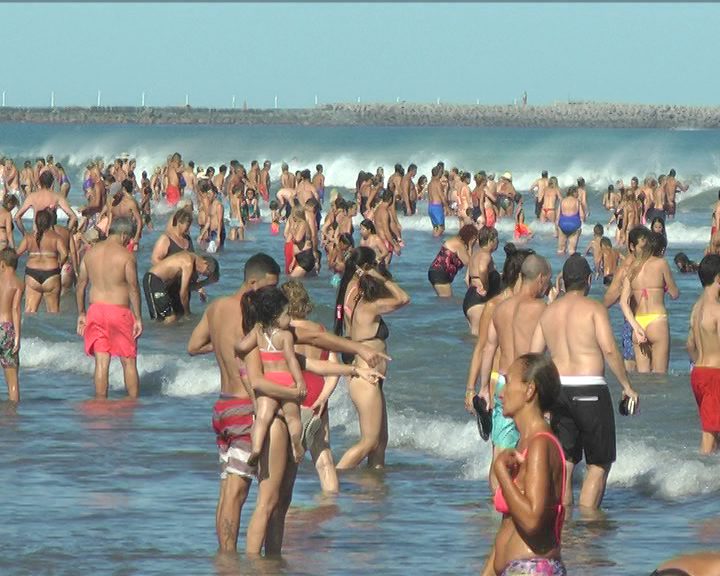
(132,488)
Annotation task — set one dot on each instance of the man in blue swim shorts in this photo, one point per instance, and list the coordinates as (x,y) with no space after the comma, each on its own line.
(437,202)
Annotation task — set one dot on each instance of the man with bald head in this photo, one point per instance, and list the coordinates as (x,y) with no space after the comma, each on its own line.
(576,331)
(511,329)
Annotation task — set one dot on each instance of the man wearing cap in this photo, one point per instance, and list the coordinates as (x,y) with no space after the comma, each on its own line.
(576,331)
(168,283)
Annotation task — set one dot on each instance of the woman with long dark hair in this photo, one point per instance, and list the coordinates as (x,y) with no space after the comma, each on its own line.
(46,256)
(364,296)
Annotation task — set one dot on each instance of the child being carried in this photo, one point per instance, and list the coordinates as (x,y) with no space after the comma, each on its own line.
(266,322)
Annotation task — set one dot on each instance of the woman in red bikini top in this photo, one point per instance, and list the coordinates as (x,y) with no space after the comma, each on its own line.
(531,478)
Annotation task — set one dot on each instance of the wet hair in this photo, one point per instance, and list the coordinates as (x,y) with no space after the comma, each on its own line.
(9,202)
(422,179)
(127,185)
(346,239)
(213,268)
(436,171)
(10,257)
(512,267)
(581,182)
(182,216)
(411,168)
(399,168)
(576,272)
(540,370)
(468,234)
(260,265)
(121,226)
(369,224)
(598,229)
(363,258)
(662,222)
(605,241)
(222,169)
(319,167)
(263,306)
(636,234)
(708,270)
(299,303)
(43,222)
(672,172)
(544,174)
(485,235)
(273,205)
(46,179)
(657,243)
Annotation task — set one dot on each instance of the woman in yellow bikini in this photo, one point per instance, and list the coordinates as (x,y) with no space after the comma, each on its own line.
(646,284)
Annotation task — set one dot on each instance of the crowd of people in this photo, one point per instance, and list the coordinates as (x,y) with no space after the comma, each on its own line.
(536,380)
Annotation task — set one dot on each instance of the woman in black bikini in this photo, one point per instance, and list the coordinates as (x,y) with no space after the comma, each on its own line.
(176,237)
(303,260)
(483,279)
(46,255)
(364,295)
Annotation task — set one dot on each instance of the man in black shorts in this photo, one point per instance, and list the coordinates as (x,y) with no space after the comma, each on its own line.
(577,332)
(167,285)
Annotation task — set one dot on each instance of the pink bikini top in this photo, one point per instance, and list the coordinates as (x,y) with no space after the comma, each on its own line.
(502,506)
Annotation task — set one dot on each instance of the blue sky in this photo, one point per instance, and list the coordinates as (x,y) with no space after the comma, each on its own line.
(642,53)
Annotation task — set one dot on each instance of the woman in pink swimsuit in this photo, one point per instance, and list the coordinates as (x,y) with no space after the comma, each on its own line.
(531,477)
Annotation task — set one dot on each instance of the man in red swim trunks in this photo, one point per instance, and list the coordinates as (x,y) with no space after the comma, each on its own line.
(173,173)
(703,346)
(112,324)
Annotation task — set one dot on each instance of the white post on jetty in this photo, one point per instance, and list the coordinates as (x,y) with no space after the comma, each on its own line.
(397,100)
(316,100)
(358,99)
(275,102)
(142,100)
(233,102)
(52,99)
(477,101)
(99,93)
(187,100)
(3,99)
(438,101)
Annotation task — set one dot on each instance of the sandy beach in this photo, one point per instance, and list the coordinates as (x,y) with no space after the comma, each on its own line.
(559,115)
